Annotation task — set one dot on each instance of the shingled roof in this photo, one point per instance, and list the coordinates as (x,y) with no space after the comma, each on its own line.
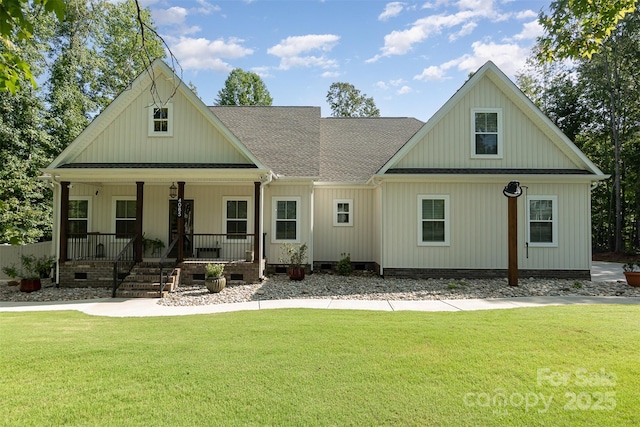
(298,142)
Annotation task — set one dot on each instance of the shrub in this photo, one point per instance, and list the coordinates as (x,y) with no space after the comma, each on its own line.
(344,265)
(214,270)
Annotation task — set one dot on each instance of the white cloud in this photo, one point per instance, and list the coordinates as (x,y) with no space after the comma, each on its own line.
(433,74)
(206,8)
(464,31)
(263,72)
(293,46)
(290,51)
(382,85)
(204,54)
(173,16)
(330,74)
(404,90)
(392,10)
(530,31)
(526,14)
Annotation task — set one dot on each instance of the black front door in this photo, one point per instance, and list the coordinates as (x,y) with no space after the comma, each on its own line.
(187,211)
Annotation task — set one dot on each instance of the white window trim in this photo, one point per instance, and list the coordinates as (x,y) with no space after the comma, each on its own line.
(274,217)
(249,200)
(169,131)
(114,200)
(554,222)
(88,199)
(473,134)
(447,219)
(336,223)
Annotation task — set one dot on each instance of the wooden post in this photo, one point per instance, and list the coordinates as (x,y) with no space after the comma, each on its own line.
(64,220)
(513,241)
(257,256)
(139,203)
(180,212)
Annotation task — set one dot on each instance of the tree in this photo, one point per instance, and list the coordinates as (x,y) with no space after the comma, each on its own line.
(577,28)
(17,26)
(347,101)
(243,88)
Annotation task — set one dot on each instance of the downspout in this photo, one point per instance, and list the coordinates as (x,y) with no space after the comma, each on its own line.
(264,181)
(377,183)
(311,208)
(56,221)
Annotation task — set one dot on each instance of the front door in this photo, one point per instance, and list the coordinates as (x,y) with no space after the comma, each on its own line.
(187,212)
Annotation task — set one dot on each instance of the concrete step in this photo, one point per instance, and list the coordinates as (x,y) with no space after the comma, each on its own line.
(122,293)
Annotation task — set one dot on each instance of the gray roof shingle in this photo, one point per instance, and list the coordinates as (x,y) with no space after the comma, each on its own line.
(298,142)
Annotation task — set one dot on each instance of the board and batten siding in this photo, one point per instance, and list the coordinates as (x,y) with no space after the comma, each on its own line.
(448,143)
(331,241)
(478,215)
(195,138)
(273,251)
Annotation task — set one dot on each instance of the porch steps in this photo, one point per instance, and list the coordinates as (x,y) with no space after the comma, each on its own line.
(144,282)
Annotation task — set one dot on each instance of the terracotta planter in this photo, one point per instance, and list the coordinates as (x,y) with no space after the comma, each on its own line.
(633,278)
(215,284)
(296,273)
(30,285)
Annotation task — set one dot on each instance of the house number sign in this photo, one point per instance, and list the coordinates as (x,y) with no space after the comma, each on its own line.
(180,207)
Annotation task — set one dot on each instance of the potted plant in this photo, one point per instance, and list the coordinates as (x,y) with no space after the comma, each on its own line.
(214,280)
(152,245)
(294,256)
(33,269)
(632,273)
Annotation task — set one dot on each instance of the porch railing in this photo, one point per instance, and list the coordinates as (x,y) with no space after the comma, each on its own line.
(222,247)
(123,264)
(96,246)
(172,265)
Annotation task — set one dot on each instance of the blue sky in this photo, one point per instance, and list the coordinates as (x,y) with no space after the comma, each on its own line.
(410,57)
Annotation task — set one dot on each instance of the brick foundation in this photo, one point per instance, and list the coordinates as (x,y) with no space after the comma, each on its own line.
(86,274)
(247,272)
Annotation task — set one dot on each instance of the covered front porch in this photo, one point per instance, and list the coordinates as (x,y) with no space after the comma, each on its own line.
(106,229)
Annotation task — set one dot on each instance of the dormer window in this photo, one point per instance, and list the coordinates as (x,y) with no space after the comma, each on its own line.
(161,120)
(486,133)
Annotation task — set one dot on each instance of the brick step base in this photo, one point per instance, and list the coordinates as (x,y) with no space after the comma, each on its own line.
(144,282)
(121,293)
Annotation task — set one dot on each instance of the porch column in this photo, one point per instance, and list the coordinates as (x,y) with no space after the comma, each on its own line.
(64,219)
(138,251)
(257,257)
(180,221)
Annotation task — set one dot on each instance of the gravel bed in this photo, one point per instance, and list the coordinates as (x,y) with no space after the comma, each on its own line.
(328,286)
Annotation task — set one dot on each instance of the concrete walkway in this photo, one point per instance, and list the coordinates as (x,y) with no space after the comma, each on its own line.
(138,307)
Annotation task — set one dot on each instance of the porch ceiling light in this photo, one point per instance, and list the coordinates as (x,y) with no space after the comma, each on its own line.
(173,190)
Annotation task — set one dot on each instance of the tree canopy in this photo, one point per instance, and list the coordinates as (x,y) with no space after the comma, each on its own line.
(347,101)
(577,28)
(243,88)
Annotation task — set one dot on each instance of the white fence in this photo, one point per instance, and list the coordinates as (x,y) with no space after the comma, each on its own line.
(11,254)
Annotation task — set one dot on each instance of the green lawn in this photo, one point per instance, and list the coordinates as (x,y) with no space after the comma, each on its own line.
(573,365)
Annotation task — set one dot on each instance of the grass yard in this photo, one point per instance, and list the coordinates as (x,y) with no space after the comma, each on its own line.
(560,366)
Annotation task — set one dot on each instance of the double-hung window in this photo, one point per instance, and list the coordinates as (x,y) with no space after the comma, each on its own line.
(125,218)
(433,220)
(343,212)
(79,217)
(236,217)
(542,221)
(486,133)
(161,120)
(286,219)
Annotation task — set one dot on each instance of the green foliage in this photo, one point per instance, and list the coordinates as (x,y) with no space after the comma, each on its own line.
(16,25)
(344,265)
(214,270)
(243,88)
(32,267)
(577,28)
(294,255)
(632,266)
(347,101)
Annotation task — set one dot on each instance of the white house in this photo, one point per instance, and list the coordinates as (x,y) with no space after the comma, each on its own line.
(403,197)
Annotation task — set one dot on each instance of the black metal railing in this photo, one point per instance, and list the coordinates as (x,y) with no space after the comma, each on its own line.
(96,246)
(173,265)
(222,247)
(123,264)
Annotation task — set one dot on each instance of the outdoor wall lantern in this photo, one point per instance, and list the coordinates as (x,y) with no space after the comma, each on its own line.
(513,191)
(173,190)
